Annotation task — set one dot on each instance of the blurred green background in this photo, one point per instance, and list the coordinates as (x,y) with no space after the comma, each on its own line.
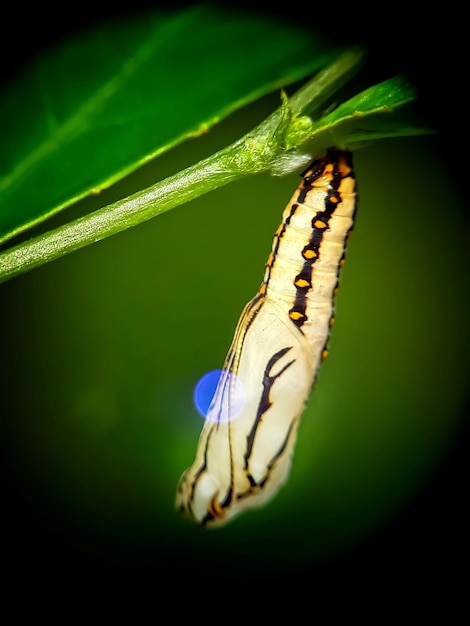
(102,349)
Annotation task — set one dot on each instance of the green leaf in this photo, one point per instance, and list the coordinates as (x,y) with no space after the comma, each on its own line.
(91,111)
(260,150)
(378,112)
(277,145)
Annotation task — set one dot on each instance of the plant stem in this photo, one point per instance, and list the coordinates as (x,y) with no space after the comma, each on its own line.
(253,153)
(327,82)
(120,215)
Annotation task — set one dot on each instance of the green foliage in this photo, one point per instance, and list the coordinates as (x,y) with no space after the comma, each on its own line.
(91,111)
(88,113)
(103,348)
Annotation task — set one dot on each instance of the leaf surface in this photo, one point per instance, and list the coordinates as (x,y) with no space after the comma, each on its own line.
(95,108)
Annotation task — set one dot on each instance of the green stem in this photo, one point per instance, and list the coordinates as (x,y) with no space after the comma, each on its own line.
(254,153)
(114,218)
(327,82)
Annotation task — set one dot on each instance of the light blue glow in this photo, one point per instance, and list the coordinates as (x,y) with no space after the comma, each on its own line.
(230,403)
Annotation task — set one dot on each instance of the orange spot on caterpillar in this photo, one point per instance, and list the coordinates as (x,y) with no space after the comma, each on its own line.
(343,167)
(324,354)
(332,321)
(319,224)
(309,254)
(301,282)
(262,289)
(215,508)
(295,315)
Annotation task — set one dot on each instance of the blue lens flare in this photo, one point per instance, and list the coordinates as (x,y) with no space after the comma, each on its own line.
(230,403)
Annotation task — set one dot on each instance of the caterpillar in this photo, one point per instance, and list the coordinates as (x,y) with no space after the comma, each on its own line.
(243,457)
